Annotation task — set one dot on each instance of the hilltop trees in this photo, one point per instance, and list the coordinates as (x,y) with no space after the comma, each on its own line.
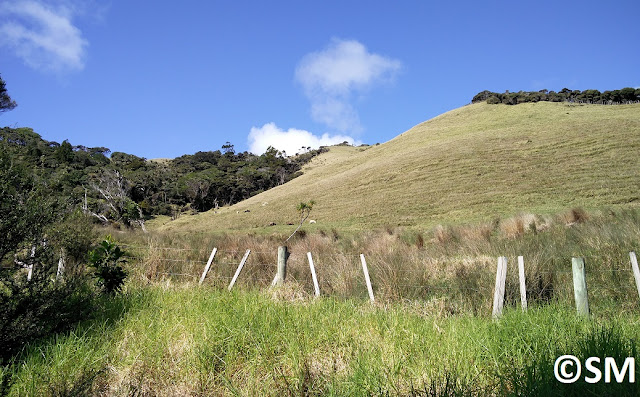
(625,95)
(126,189)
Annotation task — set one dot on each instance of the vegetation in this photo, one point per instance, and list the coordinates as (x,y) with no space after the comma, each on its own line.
(451,267)
(125,189)
(431,210)
(304,209)
(474,164)
(429,334)
(169,341)
(625,95)
(6,103)
(38,229)
(107,260)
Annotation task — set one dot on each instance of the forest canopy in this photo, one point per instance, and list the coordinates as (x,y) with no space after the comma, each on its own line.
(127,189)
(615,97)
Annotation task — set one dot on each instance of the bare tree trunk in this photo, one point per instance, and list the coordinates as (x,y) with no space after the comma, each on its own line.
(299,226)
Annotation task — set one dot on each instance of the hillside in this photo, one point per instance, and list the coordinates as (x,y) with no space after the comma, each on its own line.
(470,164)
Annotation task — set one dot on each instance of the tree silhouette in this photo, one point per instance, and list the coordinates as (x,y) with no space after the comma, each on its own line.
(6,103)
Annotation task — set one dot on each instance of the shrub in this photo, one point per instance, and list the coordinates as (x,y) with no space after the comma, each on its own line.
(74,236)
(36,308)
(107,260)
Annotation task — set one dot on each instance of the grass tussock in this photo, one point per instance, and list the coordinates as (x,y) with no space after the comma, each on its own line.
(454,269)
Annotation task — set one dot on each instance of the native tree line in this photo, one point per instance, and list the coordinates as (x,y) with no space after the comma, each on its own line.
(51,196)
(622,96)
(127,189)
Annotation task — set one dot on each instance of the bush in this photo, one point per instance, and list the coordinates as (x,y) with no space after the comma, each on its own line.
(107,260)
(74,236)
(37,308)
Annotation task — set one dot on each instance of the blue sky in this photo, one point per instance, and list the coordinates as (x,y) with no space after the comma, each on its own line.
(166,78)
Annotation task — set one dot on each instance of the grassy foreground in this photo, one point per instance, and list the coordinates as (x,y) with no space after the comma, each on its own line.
(452,268)
(171,340)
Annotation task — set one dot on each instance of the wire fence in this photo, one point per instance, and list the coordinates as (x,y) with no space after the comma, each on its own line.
(466,281)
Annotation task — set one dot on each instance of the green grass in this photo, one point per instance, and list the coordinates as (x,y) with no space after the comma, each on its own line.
(203,341)
(472,164)
(452,268)
(431,210)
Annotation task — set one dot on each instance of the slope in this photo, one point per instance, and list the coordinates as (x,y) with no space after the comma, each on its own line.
(471,164)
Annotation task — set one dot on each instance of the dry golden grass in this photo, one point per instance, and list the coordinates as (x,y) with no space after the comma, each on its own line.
(451,267)
(472,164)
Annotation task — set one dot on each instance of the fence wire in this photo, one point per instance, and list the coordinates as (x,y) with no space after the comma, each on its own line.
(475,282)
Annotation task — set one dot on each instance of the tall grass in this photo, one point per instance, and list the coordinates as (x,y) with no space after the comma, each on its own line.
(169,341)
(449,268)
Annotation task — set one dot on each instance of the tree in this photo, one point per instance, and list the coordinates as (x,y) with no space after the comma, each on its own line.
(304,209)
(24,209)
(228,149)
(482,96)
(116,204)
(6,103)
(107,261)
(64,153)
(628,94)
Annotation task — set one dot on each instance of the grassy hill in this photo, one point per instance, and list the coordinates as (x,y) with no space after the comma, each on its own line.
(471,164)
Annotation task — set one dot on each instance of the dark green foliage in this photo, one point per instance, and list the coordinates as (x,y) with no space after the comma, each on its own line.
(107,261)
(625,95)
(24,209)
(127,189)
(74,236)
(482,96)
(30,310)
(30,236)
(6,103)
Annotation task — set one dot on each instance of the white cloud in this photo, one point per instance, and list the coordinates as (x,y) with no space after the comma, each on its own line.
(290,141)
(336,113)
(43,35)
(330,78)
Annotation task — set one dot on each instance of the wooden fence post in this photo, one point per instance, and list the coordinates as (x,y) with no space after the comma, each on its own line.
(366,277)
(206,268)
(316,287)
(281,274)
(240,266)
(580,286)
(523,284)
(636,271)
(30,273)
(60,272)
(498,292)
(33,254)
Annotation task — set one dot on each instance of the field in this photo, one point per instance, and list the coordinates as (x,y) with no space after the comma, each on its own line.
(167,336)
(171,341)
(431,210)
(472,164)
